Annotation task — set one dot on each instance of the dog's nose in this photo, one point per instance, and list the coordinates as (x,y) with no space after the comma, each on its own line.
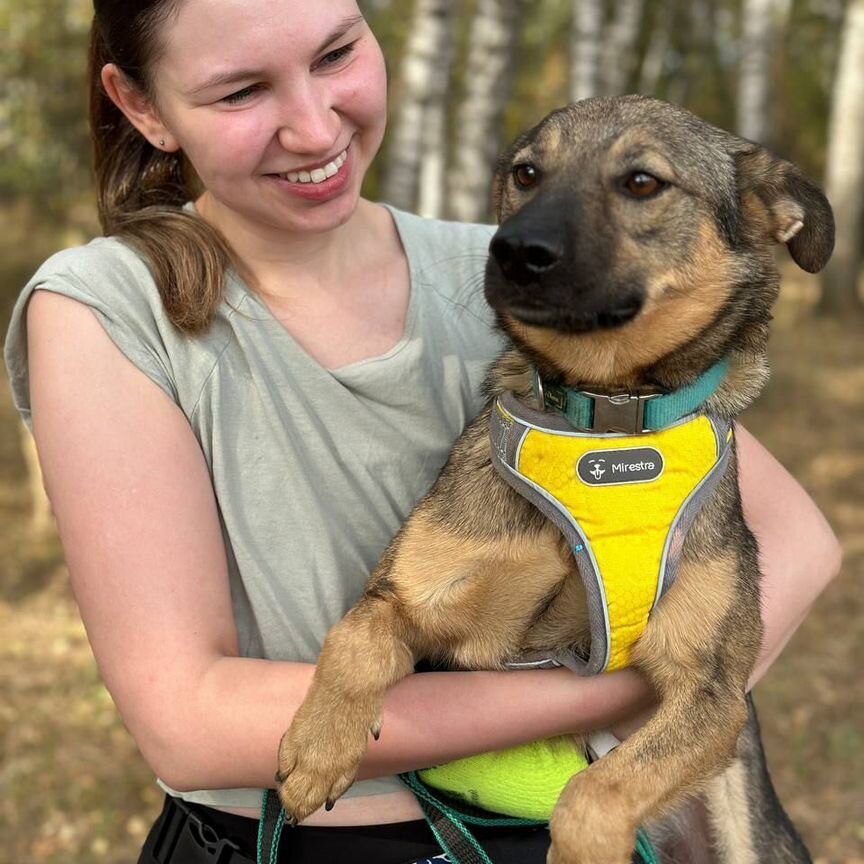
(524,258)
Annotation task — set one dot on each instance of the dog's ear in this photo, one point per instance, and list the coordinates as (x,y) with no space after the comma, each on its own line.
(798,211)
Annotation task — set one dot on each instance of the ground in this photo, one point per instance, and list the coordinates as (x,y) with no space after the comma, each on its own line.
(74,789)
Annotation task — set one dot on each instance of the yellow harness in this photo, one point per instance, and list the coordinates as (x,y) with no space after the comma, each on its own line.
(625,504)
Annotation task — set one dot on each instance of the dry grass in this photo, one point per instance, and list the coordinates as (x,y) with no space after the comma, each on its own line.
(73,788)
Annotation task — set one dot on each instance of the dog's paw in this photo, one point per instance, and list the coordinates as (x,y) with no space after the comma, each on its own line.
(585,855)
(591,848)
(586,831)
(319,757)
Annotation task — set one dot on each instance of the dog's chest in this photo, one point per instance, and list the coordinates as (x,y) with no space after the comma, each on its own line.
(623,503)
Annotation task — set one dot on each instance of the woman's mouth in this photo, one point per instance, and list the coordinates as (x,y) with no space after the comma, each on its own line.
(317,175)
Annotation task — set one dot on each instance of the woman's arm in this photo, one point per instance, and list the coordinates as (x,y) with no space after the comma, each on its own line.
(780,514)
(139,525)
(799,553)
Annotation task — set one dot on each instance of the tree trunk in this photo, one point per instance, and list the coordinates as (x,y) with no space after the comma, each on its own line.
(489,80)
(754,73)
(422,107)
(655,60)
(845,170)
(619,47)
(585,48)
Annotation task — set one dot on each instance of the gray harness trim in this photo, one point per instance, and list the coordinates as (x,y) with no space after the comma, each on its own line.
(507,437)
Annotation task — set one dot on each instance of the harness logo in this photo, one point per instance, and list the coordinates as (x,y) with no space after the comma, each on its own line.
(620,467)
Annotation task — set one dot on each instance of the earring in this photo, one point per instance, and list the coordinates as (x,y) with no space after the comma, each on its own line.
(161,142)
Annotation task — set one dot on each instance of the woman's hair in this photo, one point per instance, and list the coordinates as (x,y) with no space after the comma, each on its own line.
(140,189)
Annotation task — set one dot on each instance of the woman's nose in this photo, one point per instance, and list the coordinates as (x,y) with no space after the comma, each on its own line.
(309,121)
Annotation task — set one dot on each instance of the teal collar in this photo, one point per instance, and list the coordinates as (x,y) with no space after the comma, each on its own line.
(630,413)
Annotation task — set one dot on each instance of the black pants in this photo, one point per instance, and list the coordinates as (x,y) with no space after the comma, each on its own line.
(192,834)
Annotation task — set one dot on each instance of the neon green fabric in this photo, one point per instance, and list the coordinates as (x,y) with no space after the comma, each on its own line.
(524,781)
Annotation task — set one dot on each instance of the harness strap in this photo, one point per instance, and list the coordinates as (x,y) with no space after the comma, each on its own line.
(623,503)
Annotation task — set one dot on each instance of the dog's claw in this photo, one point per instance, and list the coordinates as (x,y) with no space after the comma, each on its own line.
(329,805)
(375,729)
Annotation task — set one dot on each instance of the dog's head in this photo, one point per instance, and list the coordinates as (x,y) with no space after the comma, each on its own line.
(632,232)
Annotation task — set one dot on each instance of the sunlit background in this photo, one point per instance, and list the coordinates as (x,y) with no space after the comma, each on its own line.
(466,76)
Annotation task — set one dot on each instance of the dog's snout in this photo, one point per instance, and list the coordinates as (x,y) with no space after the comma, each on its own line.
(524,258)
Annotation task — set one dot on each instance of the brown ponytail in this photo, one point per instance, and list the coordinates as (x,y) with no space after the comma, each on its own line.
(141,190)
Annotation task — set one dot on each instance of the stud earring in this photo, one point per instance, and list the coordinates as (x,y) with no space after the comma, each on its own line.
(161,142)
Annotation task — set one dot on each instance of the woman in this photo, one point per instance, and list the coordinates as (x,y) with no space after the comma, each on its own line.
(237,401)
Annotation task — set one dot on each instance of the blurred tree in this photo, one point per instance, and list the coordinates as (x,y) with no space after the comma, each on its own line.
(44,147)
(618,49)
(419,120)
(755,70)
(845,171)
(491,66)
(655,55)
(588,18)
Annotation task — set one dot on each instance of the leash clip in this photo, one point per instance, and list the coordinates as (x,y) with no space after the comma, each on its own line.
(619,412)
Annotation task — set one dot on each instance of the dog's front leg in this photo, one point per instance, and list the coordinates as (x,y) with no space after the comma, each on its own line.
(363,655)
(698,656)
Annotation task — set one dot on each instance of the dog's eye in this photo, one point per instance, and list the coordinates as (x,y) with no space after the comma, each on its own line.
(526,175)
(640,184)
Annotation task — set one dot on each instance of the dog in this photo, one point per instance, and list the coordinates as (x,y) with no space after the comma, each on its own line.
(634,261)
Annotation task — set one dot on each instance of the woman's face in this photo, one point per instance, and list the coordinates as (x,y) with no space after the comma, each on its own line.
(280,105)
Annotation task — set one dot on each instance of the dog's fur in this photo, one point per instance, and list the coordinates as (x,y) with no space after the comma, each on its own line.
(602,280)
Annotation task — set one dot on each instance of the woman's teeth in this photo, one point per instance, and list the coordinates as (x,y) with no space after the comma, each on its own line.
(319,175)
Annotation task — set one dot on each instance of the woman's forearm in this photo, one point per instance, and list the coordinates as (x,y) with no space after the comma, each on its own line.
(226,734)
(798,552)
(220,741)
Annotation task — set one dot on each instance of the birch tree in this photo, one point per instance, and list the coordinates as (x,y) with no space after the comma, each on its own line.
(845,169)
(754,72)
(419,132)
(488,85)
(651,71)
(585,48)
(618,59)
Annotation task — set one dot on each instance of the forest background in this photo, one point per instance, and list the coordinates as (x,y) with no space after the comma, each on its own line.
(467,76)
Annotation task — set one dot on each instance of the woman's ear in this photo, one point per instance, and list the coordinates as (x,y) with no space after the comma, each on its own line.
(137,108)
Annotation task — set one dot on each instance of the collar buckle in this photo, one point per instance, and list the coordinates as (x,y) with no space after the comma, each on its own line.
(619,412)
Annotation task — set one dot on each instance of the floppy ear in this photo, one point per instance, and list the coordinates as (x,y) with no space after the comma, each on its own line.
(799,212)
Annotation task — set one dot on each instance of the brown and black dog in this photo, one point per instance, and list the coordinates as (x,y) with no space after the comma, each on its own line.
(635,252)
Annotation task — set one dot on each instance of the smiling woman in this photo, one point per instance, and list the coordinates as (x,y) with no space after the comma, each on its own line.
(240,393)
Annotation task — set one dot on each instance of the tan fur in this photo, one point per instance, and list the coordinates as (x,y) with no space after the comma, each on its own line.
(728,808)
(691,295)
(688,621)
(481,609)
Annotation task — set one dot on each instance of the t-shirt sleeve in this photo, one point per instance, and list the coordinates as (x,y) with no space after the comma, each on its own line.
(116,284)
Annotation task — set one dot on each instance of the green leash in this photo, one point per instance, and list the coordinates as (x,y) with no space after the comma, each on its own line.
(645,849)
(270,828)
(448,825)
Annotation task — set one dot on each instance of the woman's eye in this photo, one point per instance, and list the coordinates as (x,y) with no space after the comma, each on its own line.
(337,56)
(526,175)
(641,184)
(240,95)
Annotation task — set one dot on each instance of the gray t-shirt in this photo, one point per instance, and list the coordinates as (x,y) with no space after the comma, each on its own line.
(314,470)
